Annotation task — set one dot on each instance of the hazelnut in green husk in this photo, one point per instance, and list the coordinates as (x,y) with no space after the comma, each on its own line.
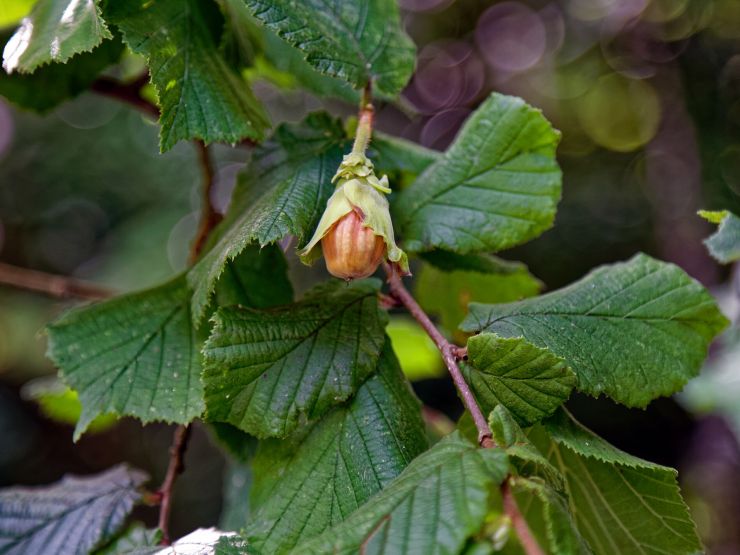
(355,231)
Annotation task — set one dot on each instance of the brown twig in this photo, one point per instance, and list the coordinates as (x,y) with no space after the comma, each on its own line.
(130,93)
(209,218)
(61,287)
(485,438)
(174,469)
(518,522)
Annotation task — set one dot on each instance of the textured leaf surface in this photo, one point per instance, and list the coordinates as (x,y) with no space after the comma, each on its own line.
(135,355)
(315,480)
(199,95)
(283,191)
(634,331)
(54,31)
(724,244)
(439,501)
(497,186)
(266,55)
(70,517)
(618,507)
(528,460)
(50,85)
(265,369)
(354,41)
(529,381)
(481,278)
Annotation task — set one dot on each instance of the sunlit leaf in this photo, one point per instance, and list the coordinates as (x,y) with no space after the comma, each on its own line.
(497,186)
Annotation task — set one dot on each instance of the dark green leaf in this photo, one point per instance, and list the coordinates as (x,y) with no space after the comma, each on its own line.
(524,455)
(433,507)
(497,186)
(135,355)
(724,244)
(240,445)
(283,191)
(620,504)
(55,31)
(257,278)
(52,84)
(529,381)
(267,369)
(565,430)
(316,479)
(70,517)
(391,153)
(353,41)
(481,278)
(200,96)
(634,331)
(479,263)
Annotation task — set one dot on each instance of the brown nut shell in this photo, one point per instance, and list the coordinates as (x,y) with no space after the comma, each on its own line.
(351,250)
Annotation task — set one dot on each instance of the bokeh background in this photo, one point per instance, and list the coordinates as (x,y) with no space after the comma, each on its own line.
(647,96)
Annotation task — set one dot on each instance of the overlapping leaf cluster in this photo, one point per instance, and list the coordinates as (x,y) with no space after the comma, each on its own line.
(342,463)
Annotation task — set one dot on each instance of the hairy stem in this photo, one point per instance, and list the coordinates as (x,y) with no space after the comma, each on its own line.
(365,121)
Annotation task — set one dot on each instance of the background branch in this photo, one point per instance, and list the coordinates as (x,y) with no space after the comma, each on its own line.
(53,285)
(130,93)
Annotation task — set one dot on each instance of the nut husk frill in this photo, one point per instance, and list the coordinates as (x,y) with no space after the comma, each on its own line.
(356,232)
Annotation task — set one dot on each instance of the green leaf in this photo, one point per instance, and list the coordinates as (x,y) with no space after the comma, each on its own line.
(315,479)
(74,515)
(267,369)
(548,515)
(526,458)
(723,244)
(566,430)
(481,278)
(497,186)
(621,504)
(634,331)
(239,445)
(530,382)
(200,96)
(283,191)
(353,41)
(433,507)
(61,404)
(52,84)
(391,153)
(257,278)
(54,31)
(417,353)
(135,355)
